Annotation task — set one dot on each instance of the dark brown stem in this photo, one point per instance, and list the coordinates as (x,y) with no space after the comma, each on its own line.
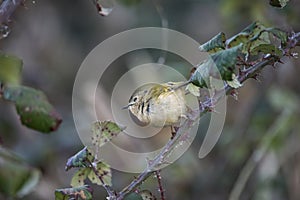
(160,187)
(7,8)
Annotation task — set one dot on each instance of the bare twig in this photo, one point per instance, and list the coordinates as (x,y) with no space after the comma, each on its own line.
(7,8)
(159,159)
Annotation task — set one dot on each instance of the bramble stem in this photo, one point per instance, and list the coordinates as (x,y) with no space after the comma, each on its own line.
(159,159)
(250,72)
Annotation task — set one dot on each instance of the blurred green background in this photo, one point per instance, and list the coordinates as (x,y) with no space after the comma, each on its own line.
(258,154)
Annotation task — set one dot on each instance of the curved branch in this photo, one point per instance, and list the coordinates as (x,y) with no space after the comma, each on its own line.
(250,72)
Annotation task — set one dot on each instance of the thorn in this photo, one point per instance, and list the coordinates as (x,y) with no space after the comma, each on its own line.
(294,55)
(255,76)
(174,130)
(149,161)
(192,71)
(234,94)
(280,61)
(240,71)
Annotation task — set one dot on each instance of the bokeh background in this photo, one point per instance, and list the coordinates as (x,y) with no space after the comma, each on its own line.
(258,154)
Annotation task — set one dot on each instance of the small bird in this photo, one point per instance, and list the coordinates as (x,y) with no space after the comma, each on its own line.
(159,105)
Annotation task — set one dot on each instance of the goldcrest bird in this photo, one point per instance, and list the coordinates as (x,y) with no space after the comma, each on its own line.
(159,104)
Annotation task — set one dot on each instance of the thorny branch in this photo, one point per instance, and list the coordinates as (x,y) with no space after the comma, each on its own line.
(250,72)
(159,159)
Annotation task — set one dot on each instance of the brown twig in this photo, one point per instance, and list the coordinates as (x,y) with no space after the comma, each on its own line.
(160,187)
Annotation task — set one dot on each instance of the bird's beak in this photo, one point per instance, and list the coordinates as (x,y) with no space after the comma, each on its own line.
(126,107)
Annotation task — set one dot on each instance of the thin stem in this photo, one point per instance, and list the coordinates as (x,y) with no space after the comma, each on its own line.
(159,159)
(160,187)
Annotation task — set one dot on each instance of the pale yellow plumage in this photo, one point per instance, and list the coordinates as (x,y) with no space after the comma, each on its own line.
(159,104)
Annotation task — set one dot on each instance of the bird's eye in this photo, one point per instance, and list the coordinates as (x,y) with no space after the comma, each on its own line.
(135,99)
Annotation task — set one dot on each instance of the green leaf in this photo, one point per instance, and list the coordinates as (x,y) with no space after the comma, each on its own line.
(84,193)
(280,34)
(10,69)
(193,89)
(17,179)
(235,82)
(252,36)
(257,37)
(104,171)
(279,3)
(225,61)
(244,36)
(103,132)
(33,107)
(261,38)
(147,195)
(133,196)
(201,75)
(129,2)
(240,38)
(267,49)
(81,159)
(80,176)
(215,44)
